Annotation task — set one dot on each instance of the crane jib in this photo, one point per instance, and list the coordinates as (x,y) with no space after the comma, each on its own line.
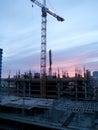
(46,10)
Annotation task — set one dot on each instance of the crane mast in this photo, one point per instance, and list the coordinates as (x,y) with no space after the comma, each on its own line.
(45,10)
(43,53)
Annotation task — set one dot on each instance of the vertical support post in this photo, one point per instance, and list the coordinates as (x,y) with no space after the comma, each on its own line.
(24,89)
(85,89)
(9,85)
(76,88)
(29,89)
(17,87)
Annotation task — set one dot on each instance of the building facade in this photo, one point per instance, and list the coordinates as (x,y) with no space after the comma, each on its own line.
(1,51)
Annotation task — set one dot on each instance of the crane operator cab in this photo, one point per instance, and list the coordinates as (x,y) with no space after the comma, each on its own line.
(44,14)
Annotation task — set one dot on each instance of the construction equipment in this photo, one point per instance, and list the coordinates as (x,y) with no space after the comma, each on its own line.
(45,10)
(50,63)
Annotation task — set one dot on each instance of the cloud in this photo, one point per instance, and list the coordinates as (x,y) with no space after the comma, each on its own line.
(84,55)
(73,42)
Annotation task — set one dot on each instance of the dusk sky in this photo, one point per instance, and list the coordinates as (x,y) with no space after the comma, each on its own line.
(74,42)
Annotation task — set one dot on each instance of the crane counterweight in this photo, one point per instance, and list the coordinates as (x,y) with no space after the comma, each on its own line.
(60,18)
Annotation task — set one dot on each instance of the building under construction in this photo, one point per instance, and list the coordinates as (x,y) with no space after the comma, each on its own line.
(69,104)
(77,88)
(30,101)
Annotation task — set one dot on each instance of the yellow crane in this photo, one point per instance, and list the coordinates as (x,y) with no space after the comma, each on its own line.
(45,10)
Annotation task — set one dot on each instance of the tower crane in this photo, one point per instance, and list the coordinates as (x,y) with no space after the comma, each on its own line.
(44,10)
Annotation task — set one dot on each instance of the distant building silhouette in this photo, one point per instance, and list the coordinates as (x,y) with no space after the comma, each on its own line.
(95,78)
(1,51)
(95,83)
(95,74)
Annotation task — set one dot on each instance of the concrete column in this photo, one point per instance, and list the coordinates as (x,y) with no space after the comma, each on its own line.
(85,89)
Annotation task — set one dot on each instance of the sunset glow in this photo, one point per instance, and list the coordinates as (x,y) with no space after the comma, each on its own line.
(74,42)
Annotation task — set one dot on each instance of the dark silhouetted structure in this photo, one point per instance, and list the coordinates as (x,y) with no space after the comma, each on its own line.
(0,64)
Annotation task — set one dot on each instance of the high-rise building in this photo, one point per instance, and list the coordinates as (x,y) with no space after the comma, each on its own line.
(1,51)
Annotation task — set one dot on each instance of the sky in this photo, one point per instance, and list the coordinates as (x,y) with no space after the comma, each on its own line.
(73,42)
